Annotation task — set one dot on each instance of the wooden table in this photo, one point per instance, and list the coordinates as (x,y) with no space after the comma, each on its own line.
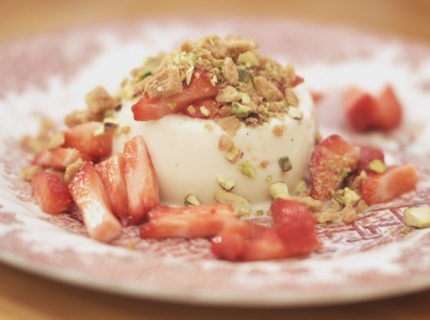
(25,296)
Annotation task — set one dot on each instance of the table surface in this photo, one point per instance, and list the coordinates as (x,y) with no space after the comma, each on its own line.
(26,296)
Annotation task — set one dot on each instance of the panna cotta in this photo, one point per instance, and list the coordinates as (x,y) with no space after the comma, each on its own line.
(247,130)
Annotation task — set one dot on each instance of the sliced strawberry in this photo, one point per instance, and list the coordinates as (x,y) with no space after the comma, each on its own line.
(59,158)
(316,96)
(330,160)
(187,222)
(295,225)
(51,193)
(82,137)
(151,109)
(360,109)
(368,154)
(298,81)
(396,180)
(141,181)
(230,242)
(112,173)
(90,196)
(389,111)
(199,108)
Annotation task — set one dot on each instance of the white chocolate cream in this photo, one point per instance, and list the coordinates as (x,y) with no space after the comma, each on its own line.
(187,160)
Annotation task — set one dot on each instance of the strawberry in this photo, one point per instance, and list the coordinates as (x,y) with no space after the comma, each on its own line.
(59,158)
(368,154)
(330,160)
(50,192)
(365,112)
(199,88)
(89,194)
(295,226)
(187,222)
(360,109)
(389,111)
(231,240)
(112,173)
(196,110)
(82,138)
(141,182)
(382,187)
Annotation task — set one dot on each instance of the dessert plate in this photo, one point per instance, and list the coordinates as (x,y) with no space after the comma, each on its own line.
(376,256)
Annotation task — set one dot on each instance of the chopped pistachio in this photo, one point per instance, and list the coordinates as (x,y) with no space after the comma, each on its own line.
(301,187)
(279,190)
(205,111)
(213,80)
(144,74)
(377,166)
(188,75)
(239,110)
(285,164)
(110,123)
(240,205)
(233,154)
(191,200)
(248,59)
(171,105)
(345,172)
(245,98)
(99,130)
(295,113)
(258,213)
(350,197)
(247,169)
(418,216)
(226,183)
(217,63)
(269,178)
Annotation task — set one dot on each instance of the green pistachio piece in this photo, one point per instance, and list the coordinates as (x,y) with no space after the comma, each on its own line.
(240,205)
(205,111)
(188,75)
(239,110)
(245,98)
(226,183)
(418,217)
(247,169)
(279,190)
(191,200)
(248,59)
(377,166)
(233,154)
(285,164)
(171,105)
(217,63)
(350,197)
(301,187)
(144,74)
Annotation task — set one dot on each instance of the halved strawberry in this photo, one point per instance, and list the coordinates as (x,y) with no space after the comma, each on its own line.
(330,160)
(396,180)
(360,109)
(112,173)
(83,138)
(50,192)
(295,226)
(141,181)
(389,111)
(368,154)
(90,196)
(151,109)
(187,222)
(59,158)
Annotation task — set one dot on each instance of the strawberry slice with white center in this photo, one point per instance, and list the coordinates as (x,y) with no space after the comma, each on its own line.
(90,196)
(83,138)
(389,111)
(330,161)
(112,173)
(382,187)
(187,222)
(59,158)
(141,181)
(151,109)
(51,193)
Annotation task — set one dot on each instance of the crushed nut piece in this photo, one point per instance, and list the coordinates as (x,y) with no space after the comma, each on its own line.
(348,214)
(224,143)
(327,216)
(267,89)
(191,200)
(26,173)
(56,140)
(233,154)
(278,130)
(240,205)
(229,124)
(72,169)
(165,83)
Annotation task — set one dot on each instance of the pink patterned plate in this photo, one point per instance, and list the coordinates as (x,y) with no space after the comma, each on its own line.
(376,256)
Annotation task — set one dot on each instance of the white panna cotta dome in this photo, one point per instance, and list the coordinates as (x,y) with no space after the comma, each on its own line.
(187,159)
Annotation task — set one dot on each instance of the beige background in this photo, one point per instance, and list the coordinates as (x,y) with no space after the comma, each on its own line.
(24,296)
